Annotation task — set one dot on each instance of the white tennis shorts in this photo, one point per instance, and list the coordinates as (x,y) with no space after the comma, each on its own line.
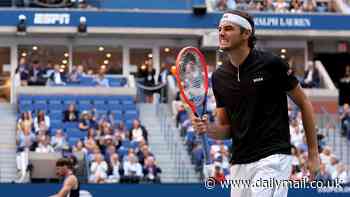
(261,176)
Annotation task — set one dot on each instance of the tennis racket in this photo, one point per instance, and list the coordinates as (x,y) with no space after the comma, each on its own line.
(192,80)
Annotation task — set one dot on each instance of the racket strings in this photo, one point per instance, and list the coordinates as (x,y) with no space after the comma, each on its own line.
(191,73)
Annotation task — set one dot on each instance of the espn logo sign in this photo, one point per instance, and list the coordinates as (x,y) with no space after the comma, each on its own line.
(51,19)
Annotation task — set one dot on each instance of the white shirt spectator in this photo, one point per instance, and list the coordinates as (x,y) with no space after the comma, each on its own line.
(36,124)
(131,168)
(137,134)
(98,169)
(42,148)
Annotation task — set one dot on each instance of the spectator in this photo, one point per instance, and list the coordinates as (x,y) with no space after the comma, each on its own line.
(71,114)
(90,142)
(312,77)
(36,74)
(323,175)
(44,145)
(59,141)
(25,139)
(149,81)
(75,75)
(223,5)
(218,173)
(25,120)
(295,6)
(281,6)
(344,87)
(181,115)
(138,132)
(143,153)
(296,135)
(101,80)
(23,70)
(42,120)
(85,121)
(121,130)
(340,173)
(309,6)
(98,170)
(132,170)
(56,77)
(116,168)
(79,147)
(151,171)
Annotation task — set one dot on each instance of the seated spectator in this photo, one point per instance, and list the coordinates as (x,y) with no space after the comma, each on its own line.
(222,5)
(110,149)
(309,6)
(23,70)
(43,128)
(143,153)
(98,170)
(218,174)
(79,147)
(105,128)
(25,139)
(295,6)
(44,145)
(138,132)
(121,130)
(41,117)
(56,77)
(36,74)
(75,75)
(323,175)
(331,168)
(101,80)
(25,120)
(71,114)
(59,141)
(296,135)
(340,173)
(312,77)
(85,121)
(151,171)
(116,168)
(132,170)
(281,6)
(90,142)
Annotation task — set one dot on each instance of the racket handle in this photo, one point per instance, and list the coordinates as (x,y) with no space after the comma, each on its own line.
(206,150)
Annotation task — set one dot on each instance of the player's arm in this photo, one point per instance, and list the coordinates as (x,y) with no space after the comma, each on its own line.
(220,129)
(300,99)
(67,186)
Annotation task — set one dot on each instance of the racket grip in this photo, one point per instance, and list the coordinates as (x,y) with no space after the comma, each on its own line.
(206,150)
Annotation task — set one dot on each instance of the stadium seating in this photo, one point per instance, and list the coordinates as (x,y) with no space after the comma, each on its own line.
(123,107)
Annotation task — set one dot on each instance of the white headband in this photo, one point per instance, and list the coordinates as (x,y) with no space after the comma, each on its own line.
(236,19)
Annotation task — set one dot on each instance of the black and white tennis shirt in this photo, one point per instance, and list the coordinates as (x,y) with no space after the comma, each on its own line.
(254,96)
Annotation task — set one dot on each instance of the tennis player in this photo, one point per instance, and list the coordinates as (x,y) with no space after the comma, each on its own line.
(71,187)
(251,96)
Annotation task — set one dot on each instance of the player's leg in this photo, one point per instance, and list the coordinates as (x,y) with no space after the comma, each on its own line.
(240,176)
(269,171)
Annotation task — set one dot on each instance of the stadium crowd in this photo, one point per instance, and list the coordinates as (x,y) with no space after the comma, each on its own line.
(274,5)
(37,74)
(116,152)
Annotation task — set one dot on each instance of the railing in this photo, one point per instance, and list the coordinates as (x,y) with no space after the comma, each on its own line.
(169,132)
